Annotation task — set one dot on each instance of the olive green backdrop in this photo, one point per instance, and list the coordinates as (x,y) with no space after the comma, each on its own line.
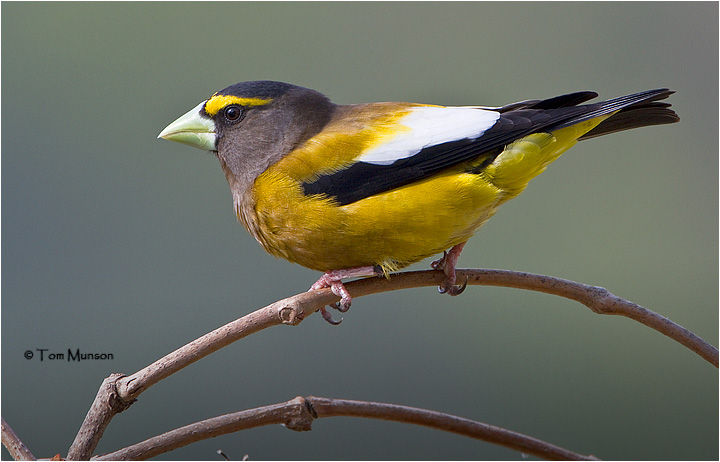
(116,242)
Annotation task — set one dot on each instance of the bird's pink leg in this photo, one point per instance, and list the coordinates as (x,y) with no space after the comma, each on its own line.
(447,263)
(333,279)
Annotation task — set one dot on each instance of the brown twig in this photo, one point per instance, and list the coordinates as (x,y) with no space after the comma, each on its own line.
(293,414)
(103,409)
(289,311)
(14,445)
(598,299)
(298,414)
(118,392)
(294,309)
(325,407)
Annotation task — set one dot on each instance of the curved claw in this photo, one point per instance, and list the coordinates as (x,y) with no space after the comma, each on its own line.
(328,317)
(457,290)
(342,306)
(439,264)
(452,289)
(339,289)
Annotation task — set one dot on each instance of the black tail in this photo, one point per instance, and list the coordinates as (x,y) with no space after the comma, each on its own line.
(638,110)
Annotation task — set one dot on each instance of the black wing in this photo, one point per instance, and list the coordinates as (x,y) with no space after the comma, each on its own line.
(517,120)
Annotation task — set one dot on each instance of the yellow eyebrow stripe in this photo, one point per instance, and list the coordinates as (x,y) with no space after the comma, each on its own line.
(217,102)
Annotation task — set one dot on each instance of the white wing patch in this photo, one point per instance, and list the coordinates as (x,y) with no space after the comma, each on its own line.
(428,126)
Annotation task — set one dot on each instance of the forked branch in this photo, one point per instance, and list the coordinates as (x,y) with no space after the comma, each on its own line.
(294,309)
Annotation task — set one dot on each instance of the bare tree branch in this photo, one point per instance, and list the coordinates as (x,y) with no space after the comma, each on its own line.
(294,414)
(288,311)
(598,299)
(294,309)
(325,407)
(298,414)
(14,445)
(103,409)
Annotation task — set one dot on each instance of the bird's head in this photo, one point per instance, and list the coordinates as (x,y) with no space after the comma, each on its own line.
(252,125)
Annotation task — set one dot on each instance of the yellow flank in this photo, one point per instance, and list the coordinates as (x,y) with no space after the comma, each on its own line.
(398,227)
(217,102)
(526,158)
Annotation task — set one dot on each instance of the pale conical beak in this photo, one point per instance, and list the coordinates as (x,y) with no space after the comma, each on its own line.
(193,129)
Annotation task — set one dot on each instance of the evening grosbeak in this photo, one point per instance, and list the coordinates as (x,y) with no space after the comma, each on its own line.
(366,189)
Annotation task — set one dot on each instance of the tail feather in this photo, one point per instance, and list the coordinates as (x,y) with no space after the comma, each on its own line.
(658,114)
(633,111)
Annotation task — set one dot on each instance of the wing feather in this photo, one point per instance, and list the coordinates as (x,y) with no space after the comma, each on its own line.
(432,139)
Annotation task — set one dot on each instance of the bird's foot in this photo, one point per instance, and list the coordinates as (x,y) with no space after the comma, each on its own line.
(449,287)
(333,280)
(447,264)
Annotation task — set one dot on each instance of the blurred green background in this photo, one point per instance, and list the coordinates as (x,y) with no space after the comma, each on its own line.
(114,241)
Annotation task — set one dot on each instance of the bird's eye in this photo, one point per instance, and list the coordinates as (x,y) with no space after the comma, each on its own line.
(233,113)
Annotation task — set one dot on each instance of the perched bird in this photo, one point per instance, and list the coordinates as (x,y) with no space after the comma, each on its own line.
(366,189)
